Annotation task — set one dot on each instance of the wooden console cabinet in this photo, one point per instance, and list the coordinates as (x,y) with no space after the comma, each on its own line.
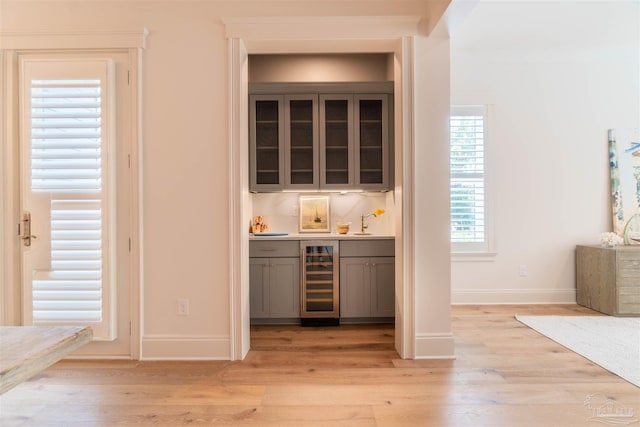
(608,279)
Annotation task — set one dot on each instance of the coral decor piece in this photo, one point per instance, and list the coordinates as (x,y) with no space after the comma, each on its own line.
(610,240)
(258,225)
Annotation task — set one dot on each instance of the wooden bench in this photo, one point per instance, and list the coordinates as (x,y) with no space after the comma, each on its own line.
(27,350)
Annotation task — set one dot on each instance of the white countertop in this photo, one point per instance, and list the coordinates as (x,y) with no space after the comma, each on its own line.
(324,236)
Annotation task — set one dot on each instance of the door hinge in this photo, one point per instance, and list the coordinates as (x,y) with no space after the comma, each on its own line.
(129,244)
(129,328)
(129,160)
(128,77)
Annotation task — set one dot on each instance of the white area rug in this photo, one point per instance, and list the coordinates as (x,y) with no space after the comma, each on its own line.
(611,342)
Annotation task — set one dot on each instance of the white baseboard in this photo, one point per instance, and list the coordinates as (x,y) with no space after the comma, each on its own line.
(434,346)
(185,347)
(514,296)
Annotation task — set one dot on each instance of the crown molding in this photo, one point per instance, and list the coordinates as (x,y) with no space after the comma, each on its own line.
(322,27)
(315,34)
(73,39)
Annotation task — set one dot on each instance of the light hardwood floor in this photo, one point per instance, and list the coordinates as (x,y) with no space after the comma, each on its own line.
(504,374)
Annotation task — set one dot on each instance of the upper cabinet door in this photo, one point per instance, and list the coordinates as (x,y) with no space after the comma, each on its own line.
(336,142)
(372,142)
(266,142)
(301,142)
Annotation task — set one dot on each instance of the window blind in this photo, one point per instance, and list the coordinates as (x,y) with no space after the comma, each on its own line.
(72,290)
(467,168)
(68,123)
(66,135)
(66,158)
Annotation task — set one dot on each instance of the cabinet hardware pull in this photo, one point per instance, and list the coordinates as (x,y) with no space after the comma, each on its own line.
(26,235)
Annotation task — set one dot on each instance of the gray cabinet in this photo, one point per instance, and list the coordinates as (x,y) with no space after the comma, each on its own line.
(354,142)
(371,165)
(283,142)
(361,287)
(608,279)
(328,141)
(337,156)
(382,278)
(301,154)
(266,142)
(274,287)
(274,280)
(367,283)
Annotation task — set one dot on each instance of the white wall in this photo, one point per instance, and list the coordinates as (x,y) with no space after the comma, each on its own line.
(558,75)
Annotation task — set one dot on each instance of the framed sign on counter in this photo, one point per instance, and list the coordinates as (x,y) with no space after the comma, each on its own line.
(314,214)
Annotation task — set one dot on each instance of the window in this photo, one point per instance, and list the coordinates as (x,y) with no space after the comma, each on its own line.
(468,135)
(68,145)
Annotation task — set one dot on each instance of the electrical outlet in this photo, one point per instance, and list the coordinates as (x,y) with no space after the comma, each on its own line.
(523,270)
(183,307)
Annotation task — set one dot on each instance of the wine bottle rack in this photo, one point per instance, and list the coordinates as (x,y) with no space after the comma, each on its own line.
(320,284)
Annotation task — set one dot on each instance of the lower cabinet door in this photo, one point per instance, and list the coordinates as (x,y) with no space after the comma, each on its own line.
(354,287)
(383,291)
(259,287)
(274,287)
(284,287)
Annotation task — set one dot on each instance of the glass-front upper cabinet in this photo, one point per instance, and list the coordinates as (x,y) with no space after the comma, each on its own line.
(371,137)
(266,142)
(336,141)
(320,141)
(301,142)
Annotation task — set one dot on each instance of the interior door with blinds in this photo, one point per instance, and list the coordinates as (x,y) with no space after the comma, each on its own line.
(74,192)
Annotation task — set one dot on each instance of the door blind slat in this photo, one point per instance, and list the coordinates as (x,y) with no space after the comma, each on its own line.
(66,159)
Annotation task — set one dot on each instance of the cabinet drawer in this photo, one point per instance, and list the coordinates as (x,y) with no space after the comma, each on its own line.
(271,248)
(629,300)
(629,265)
(629,282)
(367,248)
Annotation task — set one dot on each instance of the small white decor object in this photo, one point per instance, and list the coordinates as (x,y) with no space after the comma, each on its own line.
(610,239)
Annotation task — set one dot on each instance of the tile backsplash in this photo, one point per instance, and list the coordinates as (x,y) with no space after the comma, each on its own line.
(280,210)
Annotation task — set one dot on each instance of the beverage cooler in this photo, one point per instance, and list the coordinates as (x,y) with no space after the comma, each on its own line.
(320,291)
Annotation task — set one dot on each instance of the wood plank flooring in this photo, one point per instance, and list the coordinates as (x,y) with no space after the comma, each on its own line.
(504,374)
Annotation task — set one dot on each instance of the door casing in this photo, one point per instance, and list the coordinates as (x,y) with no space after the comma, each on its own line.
(20,43)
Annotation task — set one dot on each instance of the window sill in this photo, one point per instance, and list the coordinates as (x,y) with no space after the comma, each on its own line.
(473,256)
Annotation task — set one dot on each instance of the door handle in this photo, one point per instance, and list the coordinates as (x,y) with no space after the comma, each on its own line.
(26,235)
